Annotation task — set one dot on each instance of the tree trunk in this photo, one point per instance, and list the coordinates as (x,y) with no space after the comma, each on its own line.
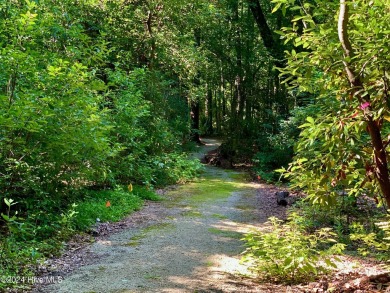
(148,25)
(209,112)
(271,43)
(261,22)
(238,98)
(195,111)
(223,95)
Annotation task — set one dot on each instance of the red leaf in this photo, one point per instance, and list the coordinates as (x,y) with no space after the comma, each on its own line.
(108,204)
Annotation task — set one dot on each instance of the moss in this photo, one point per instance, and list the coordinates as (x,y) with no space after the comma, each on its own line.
(158,227)
(225,233)
(136,239)
(219,216)
(240,176)
(244,207)
(210,190)
(152,277)
(214,185)
(192,214)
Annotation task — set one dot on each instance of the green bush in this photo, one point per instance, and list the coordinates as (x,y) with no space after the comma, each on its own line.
(175,168)
(106,206)
(373,241)
(287,253)
(276,149)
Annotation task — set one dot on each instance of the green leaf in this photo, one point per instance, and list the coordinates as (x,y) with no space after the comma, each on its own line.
(277,6)
(310,120)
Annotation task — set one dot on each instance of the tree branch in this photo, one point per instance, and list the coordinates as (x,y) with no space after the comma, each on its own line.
(346,44)
(261,22)
(342,29)
(273,46)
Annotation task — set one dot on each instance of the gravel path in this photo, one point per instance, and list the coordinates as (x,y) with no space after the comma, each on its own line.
(190,242)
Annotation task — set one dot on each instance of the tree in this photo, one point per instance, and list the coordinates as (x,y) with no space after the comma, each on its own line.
(343,145)
(357,89)
(90,94)
(270,39)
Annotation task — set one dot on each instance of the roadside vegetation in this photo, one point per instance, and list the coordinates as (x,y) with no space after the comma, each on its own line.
(336,146)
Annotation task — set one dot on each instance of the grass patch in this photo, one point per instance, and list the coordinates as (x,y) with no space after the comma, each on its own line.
(210,189)
(192,214)
(43,230)
(110,205)
(227,234)
(136,239)
(106,205)
(219,216)
(146,194)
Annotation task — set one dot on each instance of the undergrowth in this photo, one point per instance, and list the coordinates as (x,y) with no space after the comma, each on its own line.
(27,244)
(305,246)
(288,254)
(109,206)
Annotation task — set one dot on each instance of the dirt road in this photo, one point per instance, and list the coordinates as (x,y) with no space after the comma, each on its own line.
(189,242)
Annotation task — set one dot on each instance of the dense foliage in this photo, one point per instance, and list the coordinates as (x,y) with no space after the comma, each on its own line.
(339,148)
(84,105)
(97,95)
(340,60)
(288,254)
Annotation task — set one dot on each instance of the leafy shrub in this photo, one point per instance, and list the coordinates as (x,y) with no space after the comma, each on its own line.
(267,161)
(175,168)
(373,241)
(105,205)
(145,193)
(352,219)
(287,253)
(16,259)
(315,216)
(276,149)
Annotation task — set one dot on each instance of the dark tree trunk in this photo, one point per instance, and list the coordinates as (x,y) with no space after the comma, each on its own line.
(223,95)
(209,113)
(195,111)
(271,42)
(148,25)
(275,48)
(238,97)
(261,22)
